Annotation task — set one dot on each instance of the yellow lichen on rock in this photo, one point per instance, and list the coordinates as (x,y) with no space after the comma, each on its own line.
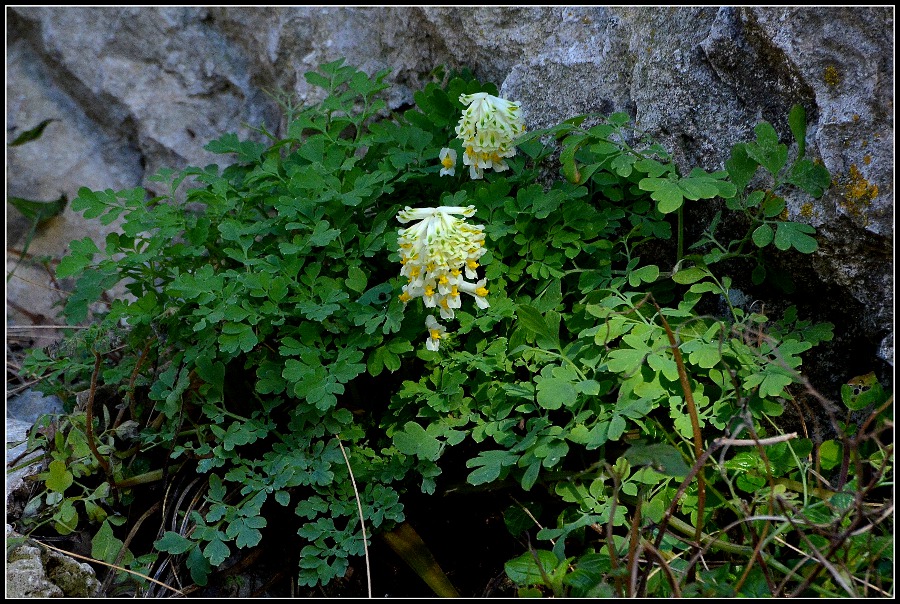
(858,192)
(831,76)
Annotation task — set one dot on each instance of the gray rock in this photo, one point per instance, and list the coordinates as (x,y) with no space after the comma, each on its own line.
(18,489)
(25,575)
(31,404)
(36,572)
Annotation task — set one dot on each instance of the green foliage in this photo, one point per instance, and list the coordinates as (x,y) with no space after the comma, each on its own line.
(264,330)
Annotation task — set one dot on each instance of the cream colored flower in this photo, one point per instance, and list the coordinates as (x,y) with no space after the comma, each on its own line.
(435,332)
(438,253)
(487,128)
(448,161)
(478,291)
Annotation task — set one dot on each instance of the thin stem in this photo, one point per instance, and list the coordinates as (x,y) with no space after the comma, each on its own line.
(362,520)
(679,254)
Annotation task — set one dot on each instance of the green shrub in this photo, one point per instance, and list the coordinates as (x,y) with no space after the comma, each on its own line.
(266,335)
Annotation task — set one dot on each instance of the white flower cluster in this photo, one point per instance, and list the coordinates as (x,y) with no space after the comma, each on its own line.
(487,129)
(439,253)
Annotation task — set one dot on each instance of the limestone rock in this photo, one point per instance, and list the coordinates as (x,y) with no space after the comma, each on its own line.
(17,489)
(36,572)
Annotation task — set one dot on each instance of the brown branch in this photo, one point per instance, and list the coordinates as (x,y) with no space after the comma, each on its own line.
(89,416)
(695,420)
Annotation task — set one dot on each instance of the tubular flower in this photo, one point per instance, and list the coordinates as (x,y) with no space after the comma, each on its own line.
(487,129)
(434,252)
(448,161)
(435,331)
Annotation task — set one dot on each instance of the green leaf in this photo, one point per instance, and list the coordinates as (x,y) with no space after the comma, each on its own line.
(704,354)
(525,570)
(59,478)
(322,235)
(774,383)
(553,393)
(651,167)
(623,165)
(763,235)
(862,391)
(626,360)
(767,151)
(689,275)
(645,274)
(415,441)
(237,336)
(532,319)
(356,279)
(39,211)
(173,543)
(489,466)
(82,255)
(66,518)
(30,135)
(666,191)
(797,123)
(104,544)
(617,427)
(702,187)
(247,151)
(741,167)
(811,177)
(830,454)
(571,145)
(773,206)
(317,79)
(216,551)
(796,235)
(199,566)
(244,531)
(755,198)
(663,457)
(531,474)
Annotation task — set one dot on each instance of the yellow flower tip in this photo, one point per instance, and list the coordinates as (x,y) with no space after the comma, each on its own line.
(405,297)
(435,334)
(481,291)
(448,161)
(472,264)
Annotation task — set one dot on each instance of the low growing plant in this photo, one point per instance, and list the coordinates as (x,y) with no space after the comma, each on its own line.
(287,309)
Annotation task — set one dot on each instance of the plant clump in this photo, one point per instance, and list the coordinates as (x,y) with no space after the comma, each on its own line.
(268,378)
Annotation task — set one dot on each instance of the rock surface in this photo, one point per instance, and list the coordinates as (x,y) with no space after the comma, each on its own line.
(36,572)
(138,89)
(31,570)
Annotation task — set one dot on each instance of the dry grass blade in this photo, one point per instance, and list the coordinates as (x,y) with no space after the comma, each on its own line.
(124,570)
(362,520)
